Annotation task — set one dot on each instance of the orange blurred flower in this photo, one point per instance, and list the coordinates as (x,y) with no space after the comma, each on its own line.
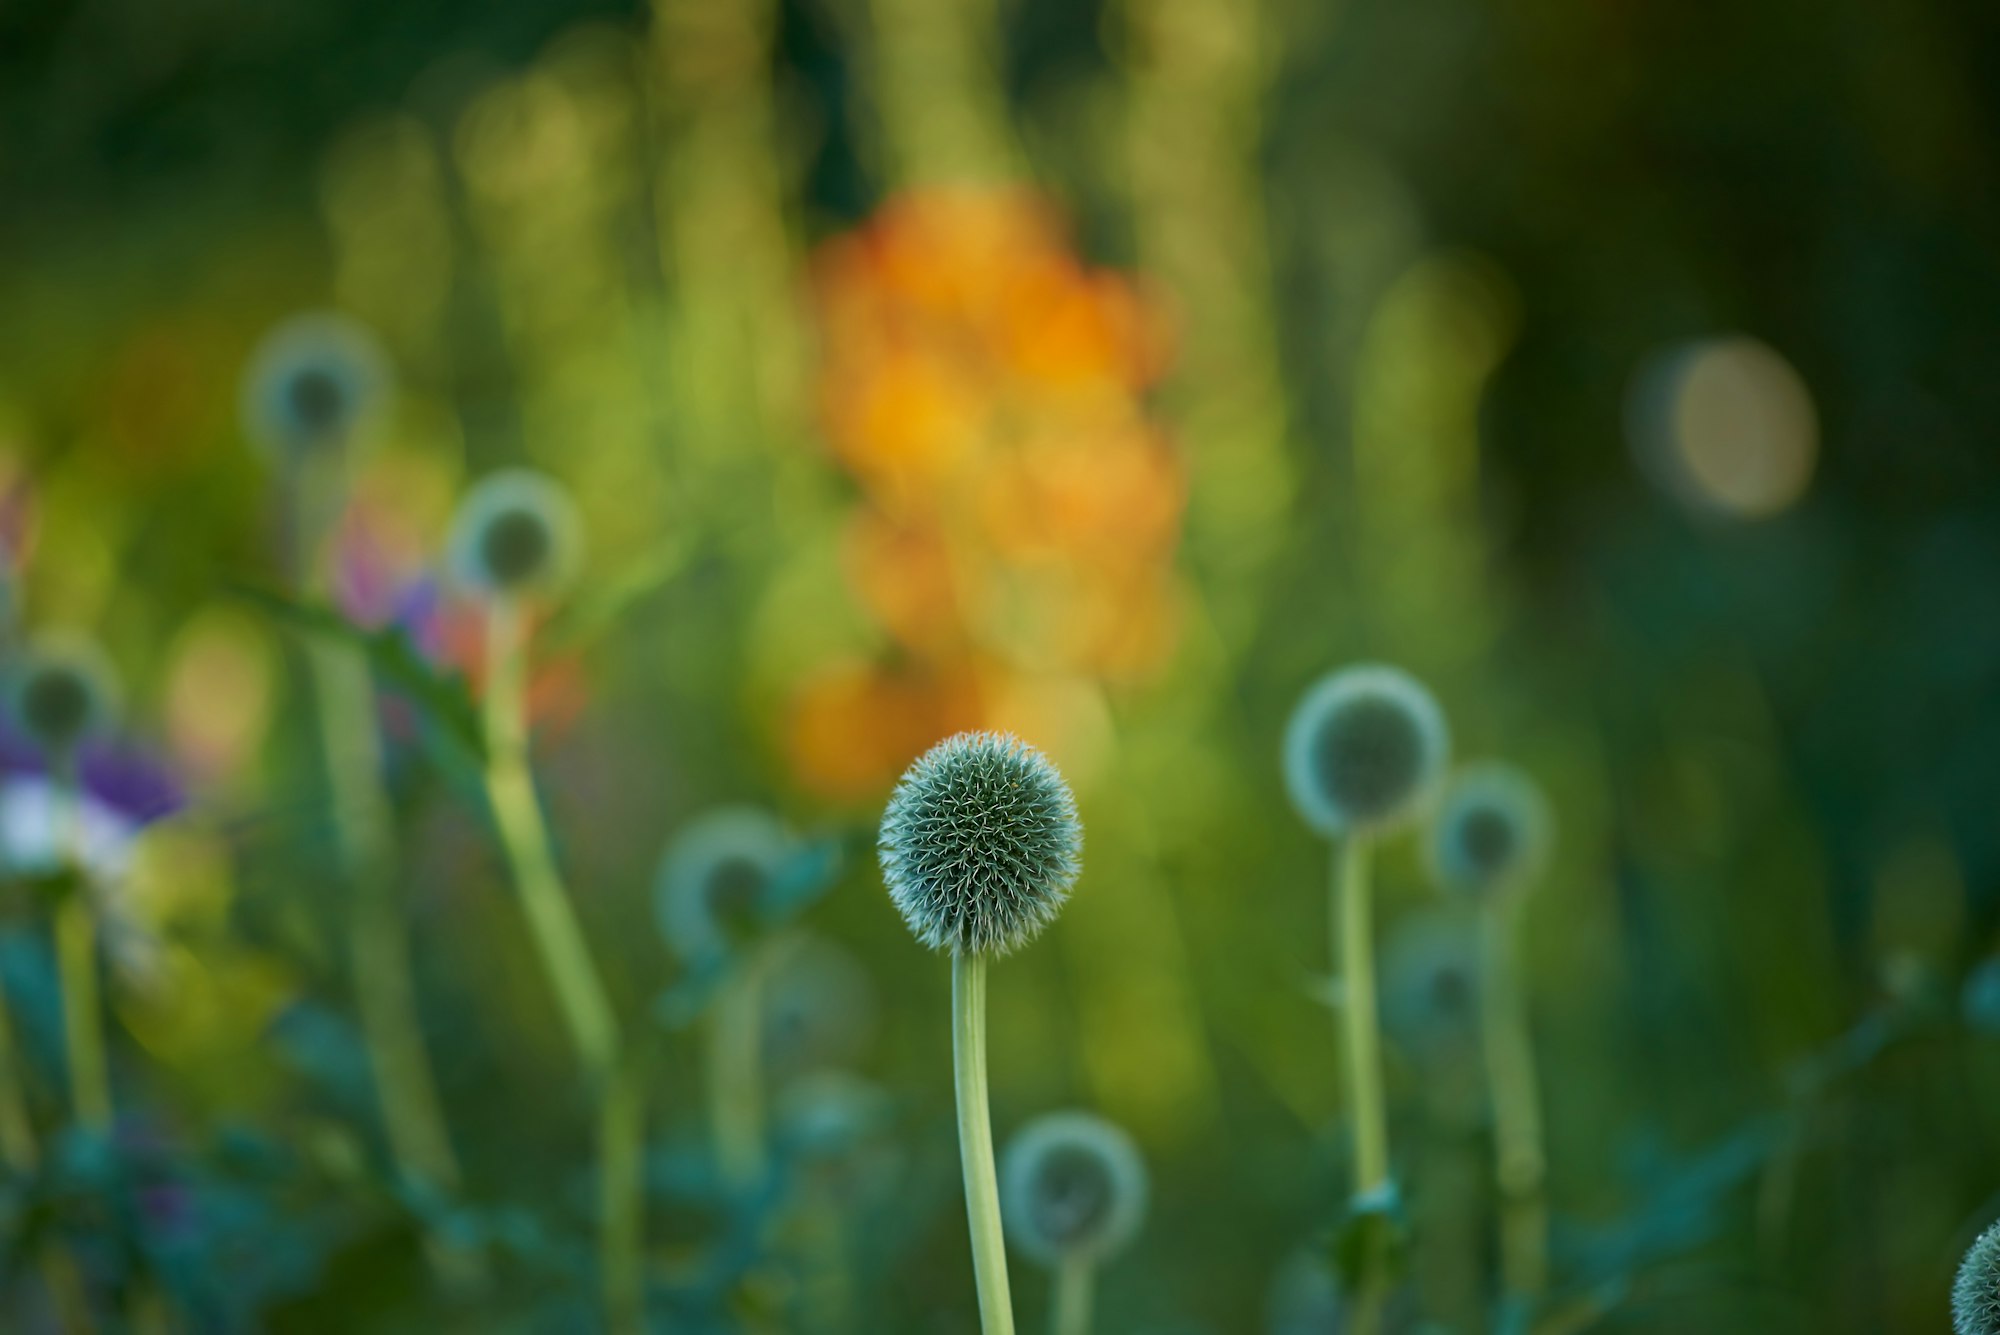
(987,390)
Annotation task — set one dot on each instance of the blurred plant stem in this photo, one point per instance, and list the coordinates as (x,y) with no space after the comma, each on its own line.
(1354,947)
(17,1132)
(22,1157)
(975,1143)
(1072,1290)
(735,1071)
(379,941)
(76,963)
(1520,1165)
(580,993)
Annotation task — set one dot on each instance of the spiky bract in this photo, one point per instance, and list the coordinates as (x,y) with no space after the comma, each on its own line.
(315,381)
(62,692)
(1072,1188)
(516,532)
(1363,750)
(715,879)
(1492,832)
(980,844)
(1975,1297)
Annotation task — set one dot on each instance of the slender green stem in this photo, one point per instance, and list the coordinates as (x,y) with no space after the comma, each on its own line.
(22,1155)
(1073,1287)
(524,835)
(580,994)
(17,1131)
(975,1143)
(1520,1166)
(379,943)
(76,964)
(1354,947)
(735,1075)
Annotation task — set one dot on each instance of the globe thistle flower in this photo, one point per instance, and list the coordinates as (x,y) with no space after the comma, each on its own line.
(1072,1188)
(819,1009)
(1430,982)
(1975,1296)
(980,844)
(315,381)
(61,694)
(517,532)
(716,877)
(1492,831)
(1363,750)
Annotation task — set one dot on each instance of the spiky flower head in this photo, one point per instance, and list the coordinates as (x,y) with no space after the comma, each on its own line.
(1975,1297)
(980,844)
(1492,831)
(62,693)
(1072,1188)
(1363,750)
(315,381)
(516,532)
(716,877)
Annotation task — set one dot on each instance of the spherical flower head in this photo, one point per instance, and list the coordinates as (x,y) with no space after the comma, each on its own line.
(314,382)
(1975,1297)
(980,844)
(62,693)
(1430,981)
(1364,749)
(516,532)
(1492,832)
(1072,1188)
(715,879)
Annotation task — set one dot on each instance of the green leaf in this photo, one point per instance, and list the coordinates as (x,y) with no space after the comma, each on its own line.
(444,703)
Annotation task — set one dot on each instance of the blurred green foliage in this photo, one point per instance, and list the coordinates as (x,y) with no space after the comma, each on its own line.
(1410,259)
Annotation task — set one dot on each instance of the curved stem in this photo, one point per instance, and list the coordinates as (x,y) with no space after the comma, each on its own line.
(580,993)
(76,965)
(1074,1285)
(1519,1163)
(975,1143)
(524,837)
(1354,947)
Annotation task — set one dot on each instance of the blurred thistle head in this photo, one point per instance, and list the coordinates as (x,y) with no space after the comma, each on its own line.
(819,1009)
(1364,749)
(1492,831)
(980,844)
(1072,1188)
(1975,1296)
(62,693)
(715,879)
(516,532)
(1430,981)
(315,381)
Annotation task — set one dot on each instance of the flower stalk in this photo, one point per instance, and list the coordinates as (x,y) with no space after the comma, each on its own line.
(975,1143)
